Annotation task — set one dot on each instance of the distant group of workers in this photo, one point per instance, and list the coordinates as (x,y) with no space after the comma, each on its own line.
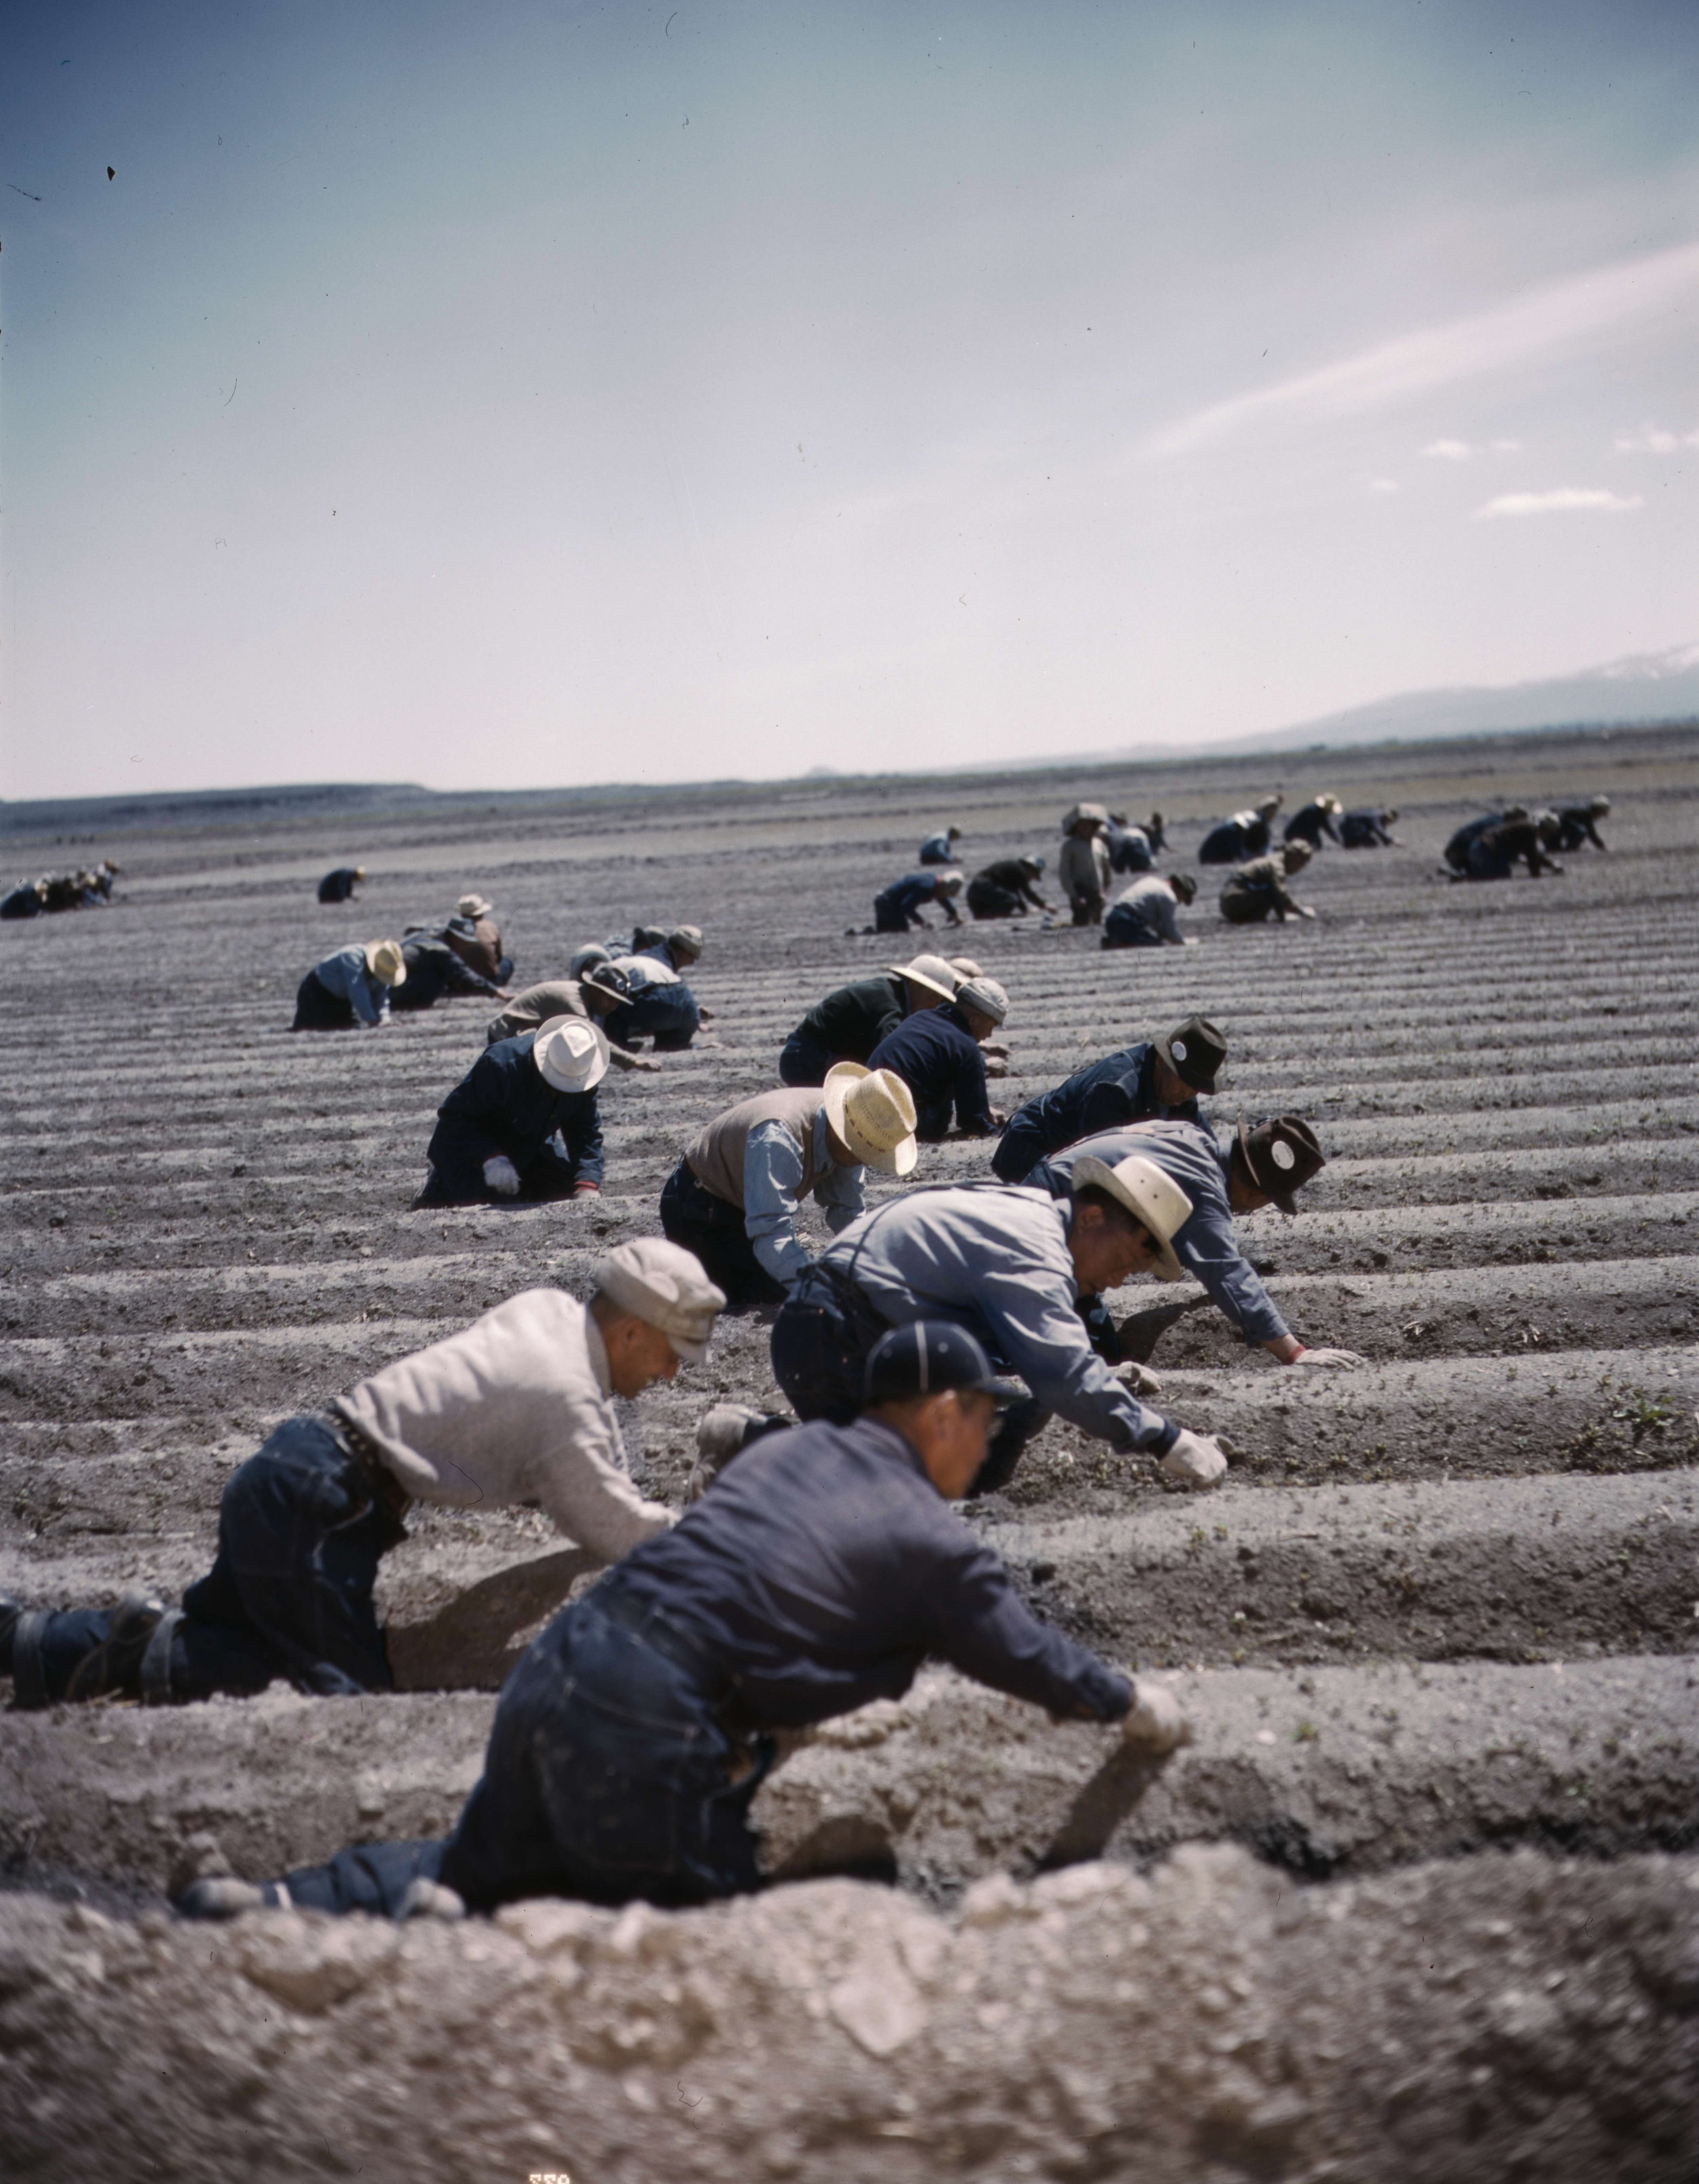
(87,888)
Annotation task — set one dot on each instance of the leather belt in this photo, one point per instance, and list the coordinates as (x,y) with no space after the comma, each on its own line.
(387,1489)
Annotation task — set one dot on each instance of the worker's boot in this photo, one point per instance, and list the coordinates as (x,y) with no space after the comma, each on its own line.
(723,1433)
(134,1657)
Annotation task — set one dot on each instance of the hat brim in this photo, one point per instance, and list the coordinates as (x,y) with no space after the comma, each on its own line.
(919,978)
(1161,1043)
(1287,1203)
(591,1077)
(841,1079)
(400,976)
(1089,1171)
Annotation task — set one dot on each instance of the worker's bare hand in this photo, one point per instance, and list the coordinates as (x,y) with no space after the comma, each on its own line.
(501,1175)
(995,1066)
(1139,1378)
(1156,1721)
(1329,1359)
(1194,1461)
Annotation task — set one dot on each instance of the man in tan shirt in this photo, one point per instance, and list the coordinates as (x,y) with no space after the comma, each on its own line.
(515,1410)
(733,1200)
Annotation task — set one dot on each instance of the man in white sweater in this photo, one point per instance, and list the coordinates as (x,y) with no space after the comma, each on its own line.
(516,1409)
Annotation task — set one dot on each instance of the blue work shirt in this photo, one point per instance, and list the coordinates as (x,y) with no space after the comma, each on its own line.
(904,897)
(996,1260)
(772,1179)
(1206,1243)
(504,1104)
(1244,835)
(938,1059)
(1105,1095)
(937,850)
(345,974)
(824,1567)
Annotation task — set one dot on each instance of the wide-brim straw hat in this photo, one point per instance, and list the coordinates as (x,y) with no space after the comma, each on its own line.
(965,967)
(1097,813)
(386,963)
(873,1111)
(1148,1194)
(1330,803)
(473,905)
(571,1052)
(931,973)
(1598,806)
(359,871)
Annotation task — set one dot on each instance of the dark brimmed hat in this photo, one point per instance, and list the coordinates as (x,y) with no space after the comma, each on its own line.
(1185,886)
(606,978)
(1280,1155)
(927,1357)
(1194,1051)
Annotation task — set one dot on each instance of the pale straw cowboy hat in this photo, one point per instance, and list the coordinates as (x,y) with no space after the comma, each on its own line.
(571,1052)
(873,1111)
(930,972)
(385,962)
(1148,1196)
(473,905)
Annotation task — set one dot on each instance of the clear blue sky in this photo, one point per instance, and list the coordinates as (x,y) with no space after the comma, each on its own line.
(521,394)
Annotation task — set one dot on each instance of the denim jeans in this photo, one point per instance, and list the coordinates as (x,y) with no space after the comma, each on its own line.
(289,1593)
(713,1229)
(1122,929)
(667,1013)
(801,1062)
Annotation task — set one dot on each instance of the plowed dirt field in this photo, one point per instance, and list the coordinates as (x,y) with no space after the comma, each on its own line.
(1420,1902)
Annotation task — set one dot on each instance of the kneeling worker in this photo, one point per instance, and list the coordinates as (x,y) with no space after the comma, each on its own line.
(818,1573)
(1008,888)
(515,1410)
(936,1054)
(1263,1166)
(522,1122)
(1369,828)
(352,986)
(1143,916)
(900,906)
(1008,1264)
(732,1199)
(850,1022)
(596,992)
(338,886)
(1155,1080)
(1259,887)
(1245,834)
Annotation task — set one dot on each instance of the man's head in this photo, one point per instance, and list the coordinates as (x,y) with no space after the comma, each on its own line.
(655,1307)
(1599,807)
(582,958)
(1122,1220)
(1185,888)
(385,962)
(869,1115)
(358,869)
(983,1005)
(1549,827)
(932,1383)
(1189,1058)
(948,883)
(1032,867)
(929,980)
(684,943)
(1388,815)
(604,989)
(1296,855)
(571,1054)
(1330,804)
(1266,806)
(1271,1160)
(1514,814)
(953,833)
(473,906)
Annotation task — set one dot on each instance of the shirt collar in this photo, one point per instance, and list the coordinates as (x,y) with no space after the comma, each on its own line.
(597,1351)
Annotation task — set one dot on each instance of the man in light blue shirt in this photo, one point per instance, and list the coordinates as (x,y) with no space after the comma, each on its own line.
(350,987)
(1008,1264)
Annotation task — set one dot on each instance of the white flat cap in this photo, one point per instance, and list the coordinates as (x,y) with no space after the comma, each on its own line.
(985,995)
(663,1285)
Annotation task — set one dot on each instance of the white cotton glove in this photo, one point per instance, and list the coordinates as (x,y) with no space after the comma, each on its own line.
(1194,1461)
(1155,1722)
(1139,1378)
(501,1175)
(1329,1357)
(431,1899)
(1305,911)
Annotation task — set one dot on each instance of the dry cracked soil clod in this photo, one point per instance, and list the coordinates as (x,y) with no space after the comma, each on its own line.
(1421,1901)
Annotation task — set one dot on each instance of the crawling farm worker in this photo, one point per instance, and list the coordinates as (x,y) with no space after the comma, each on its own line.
(939,1053)
(1260,887)
(1143,914)
(851,1021)
(514,1411)
(733,1200)
(817,1574)
(1150,1081)
(351,987)
(522,1122)
(1007,1264)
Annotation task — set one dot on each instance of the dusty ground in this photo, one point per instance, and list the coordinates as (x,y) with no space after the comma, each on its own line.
(1442,1606)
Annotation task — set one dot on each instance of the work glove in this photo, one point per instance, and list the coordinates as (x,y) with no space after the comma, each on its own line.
(1329,1357)
(1305,911)
(1194,1461)
(1155,1722)
(1139,1378)
(431,1899)
(587,1190)
(501,1175)
(721,1433)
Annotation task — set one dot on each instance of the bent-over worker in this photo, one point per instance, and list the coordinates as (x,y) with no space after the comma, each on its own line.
(1579,822)
(732,1199)
(850,1022)
(900,906)
(522,1122)
(1245,834)
(1495,853)
(818,1573)
(351,987)
(1007,888)
(433,969)
(514,1411)
(1312,820)
(1260,887)
(1152,1081)
(597,991)
(1367,829)
(940,848)
(339,886)
(1143,914)
(939,1054)
(475,938)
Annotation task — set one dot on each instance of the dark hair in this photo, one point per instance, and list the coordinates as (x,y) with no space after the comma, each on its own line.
(1094,1194)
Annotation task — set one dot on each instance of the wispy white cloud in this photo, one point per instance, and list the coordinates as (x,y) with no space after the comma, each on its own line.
(1383,485)
(1562,499)
(1561,314)
(1449,451)
(1652,440)
(1506,446)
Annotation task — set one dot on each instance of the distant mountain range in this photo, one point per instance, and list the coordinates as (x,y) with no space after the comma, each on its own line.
(1646,687)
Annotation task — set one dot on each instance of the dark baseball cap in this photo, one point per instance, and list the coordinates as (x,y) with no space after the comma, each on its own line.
(925,1358)
(1281,1155)
(1194,1051)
